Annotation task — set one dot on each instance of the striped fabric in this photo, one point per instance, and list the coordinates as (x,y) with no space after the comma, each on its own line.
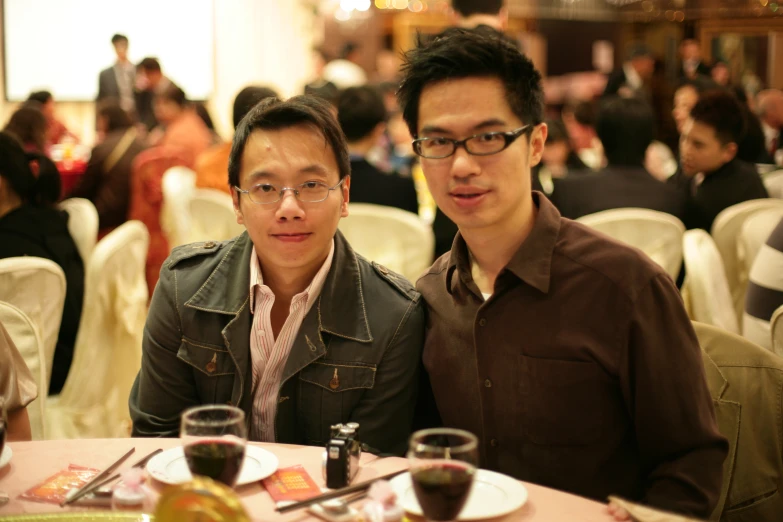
(268,354)
(765,290)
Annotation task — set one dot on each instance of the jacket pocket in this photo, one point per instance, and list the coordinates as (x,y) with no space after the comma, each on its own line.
(764,508)
(339,377)
(210,360)
(567,403)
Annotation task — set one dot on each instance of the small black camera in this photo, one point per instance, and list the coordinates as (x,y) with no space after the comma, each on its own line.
(342,455)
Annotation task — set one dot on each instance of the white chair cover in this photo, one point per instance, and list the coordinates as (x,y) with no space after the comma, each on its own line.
(212,215)
(755,232)
(27,339)
(708,292)
(726,230)
(390,236)
(37,287)
(179,183)
(107,355)
(776,327)
(82,224)
(774,183)
(657,234)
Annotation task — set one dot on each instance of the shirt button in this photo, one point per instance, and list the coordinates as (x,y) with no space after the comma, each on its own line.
(487,383)
(494,443)
(482,322)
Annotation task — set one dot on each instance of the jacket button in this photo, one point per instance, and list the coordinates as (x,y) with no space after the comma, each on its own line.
(494,443)
(487,383)
(482,322)
(383,269)
(209,244)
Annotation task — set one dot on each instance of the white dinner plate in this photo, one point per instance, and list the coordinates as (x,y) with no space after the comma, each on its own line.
(5,457)
(170,466)
(493,495)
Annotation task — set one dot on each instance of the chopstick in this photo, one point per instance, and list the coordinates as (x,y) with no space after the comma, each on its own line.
(82,491)
(139,464)
(338,493)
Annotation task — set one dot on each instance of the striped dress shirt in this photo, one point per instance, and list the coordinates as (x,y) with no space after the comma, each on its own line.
(269,355)
(765,290)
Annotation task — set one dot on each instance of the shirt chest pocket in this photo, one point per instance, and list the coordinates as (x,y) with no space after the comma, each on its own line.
(337,377)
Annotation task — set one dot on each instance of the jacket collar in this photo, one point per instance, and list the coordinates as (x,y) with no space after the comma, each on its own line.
(340,307)
(716,381)
(532,263)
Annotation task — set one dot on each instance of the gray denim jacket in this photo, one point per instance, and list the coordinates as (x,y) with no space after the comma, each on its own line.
(355,359)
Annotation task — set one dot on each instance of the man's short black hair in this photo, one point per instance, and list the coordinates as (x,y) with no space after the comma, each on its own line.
(359,111)
(248,98)
(464,53)
(149,64)
(626,127)
(722,111)
(467,8)
(583,112)
(274,114)
(42,97)
(117,38)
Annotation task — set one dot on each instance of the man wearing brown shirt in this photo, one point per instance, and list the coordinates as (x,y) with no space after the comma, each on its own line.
(569,355)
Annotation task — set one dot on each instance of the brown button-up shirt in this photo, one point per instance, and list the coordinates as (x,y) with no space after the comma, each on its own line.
(581,372)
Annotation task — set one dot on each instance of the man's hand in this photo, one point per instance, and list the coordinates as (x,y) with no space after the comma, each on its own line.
(617,512)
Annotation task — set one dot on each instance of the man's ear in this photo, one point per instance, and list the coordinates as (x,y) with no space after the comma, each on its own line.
(729,152)
(346,189)
(235,195)
(537,141)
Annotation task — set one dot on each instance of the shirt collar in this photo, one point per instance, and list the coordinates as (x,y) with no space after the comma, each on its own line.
(310,293)
(632,77)
(532,263)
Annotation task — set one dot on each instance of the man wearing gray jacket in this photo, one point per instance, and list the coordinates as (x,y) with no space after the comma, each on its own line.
(285,321)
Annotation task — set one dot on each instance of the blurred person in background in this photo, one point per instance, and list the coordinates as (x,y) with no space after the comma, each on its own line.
(203,113)
(56,131)
(29,126)
(17,389)
(752,148)
(710,172)
(692,64)
(625,126)
(179,127)
(473,13)
(320,86)
(579,120)
(362,116)
(31,225)
(106,182)
(685,97)
(212,164)
(150,82)
(721,74)
(345,71)
(769,105)
(632,78)
(557,160)
(119,80)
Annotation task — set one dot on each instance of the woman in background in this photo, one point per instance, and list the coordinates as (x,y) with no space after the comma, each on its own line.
(17,389)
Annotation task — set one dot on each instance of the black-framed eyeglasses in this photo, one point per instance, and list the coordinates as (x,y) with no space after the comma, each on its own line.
(307,192)
(484,144)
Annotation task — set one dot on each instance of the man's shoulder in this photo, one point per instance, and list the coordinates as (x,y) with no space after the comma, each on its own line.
(198,256)
(393,285)
(729,351)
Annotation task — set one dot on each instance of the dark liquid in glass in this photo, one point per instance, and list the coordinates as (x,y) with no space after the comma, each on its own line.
(2,435)
(442,489)
(218,460)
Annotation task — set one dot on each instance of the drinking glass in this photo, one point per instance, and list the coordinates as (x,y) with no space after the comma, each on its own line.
(442,465)
(214,439)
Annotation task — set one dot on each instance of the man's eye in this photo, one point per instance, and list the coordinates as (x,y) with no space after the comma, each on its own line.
(311,184)
(265,188)
(489,138)
(439,142)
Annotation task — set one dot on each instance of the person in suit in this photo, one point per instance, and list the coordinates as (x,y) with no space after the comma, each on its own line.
(692,64)
(745,382)
(710,172)
(362,116)
(625,127)
(106,182)
(630,79)
(118,81)
(30,225)
(770,110)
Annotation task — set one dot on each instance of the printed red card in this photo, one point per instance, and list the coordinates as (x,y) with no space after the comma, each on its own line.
(55,488)
(291,484)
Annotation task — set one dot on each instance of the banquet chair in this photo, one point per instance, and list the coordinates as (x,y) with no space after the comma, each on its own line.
(212,216)
(107,356)
(726,230)
(755,232)
(773,181)
(179,184)
(146,202)
(27,339)
(37,287)
(657,234)
(708,296)
(82,224)
(391,237)
(776,329)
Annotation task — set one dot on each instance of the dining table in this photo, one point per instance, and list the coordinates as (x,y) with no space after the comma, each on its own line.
(33,462)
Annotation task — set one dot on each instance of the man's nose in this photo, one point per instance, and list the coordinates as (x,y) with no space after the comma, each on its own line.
(464,164)
(289,207)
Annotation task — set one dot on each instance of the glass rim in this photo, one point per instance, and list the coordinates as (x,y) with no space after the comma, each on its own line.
(235,414)
(470,444)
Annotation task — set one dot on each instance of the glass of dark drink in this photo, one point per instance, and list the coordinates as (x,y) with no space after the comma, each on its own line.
(442,465)
(214,439)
